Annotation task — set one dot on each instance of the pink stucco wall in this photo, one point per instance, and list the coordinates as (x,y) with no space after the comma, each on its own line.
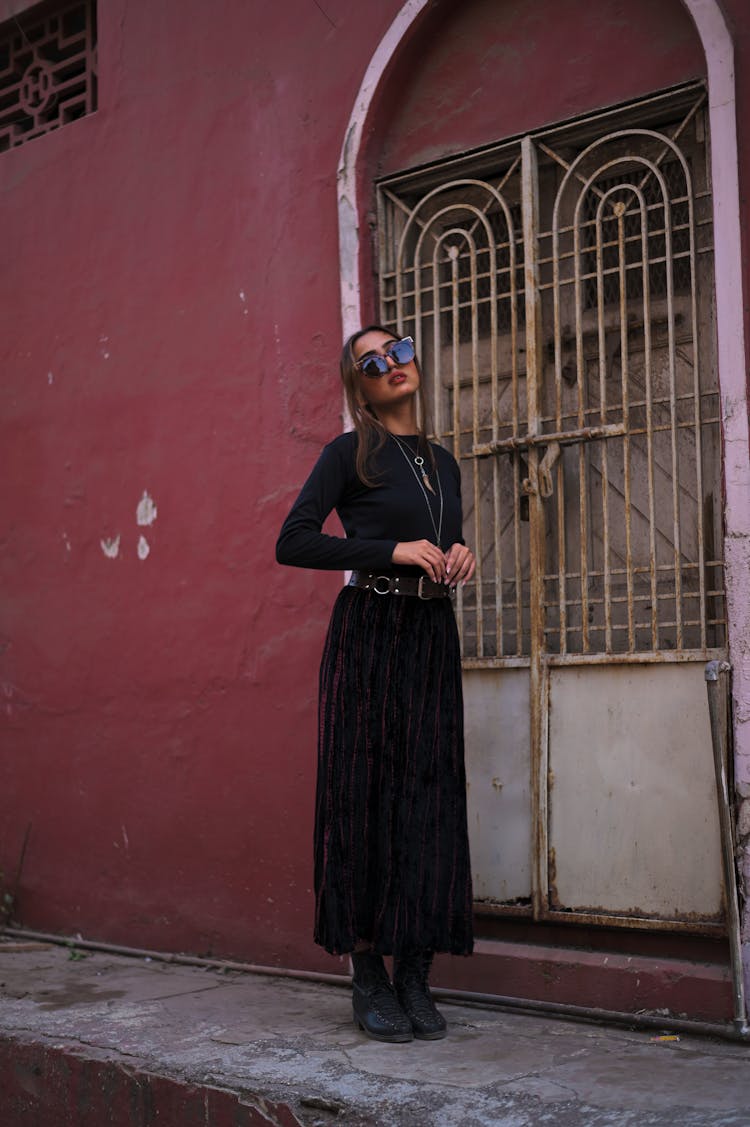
(169,323)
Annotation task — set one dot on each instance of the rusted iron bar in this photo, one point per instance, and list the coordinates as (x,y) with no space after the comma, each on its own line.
(537,544)
(563,437)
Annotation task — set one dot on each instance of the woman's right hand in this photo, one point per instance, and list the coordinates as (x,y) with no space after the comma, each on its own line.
(421,553)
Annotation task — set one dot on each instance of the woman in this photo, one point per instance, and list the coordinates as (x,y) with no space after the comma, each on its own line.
(392,873)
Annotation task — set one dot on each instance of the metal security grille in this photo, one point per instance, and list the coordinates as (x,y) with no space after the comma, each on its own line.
(47,69)
(559,289)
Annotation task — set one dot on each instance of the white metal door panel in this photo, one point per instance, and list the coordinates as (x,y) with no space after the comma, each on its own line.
(497,765)
(633,819)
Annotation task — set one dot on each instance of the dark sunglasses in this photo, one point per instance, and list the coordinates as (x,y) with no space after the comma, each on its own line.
(400,352)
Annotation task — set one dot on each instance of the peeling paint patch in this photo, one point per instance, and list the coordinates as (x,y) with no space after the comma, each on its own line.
(743,820)
(8,693)
(143,548)
(111,547)
(146,512)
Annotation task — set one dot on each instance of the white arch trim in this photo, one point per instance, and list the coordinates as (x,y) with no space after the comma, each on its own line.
(718,47)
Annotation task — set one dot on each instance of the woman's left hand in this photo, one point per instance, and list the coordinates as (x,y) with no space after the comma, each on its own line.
(459,564)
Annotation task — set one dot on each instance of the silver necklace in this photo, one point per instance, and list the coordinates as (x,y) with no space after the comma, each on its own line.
(423,481)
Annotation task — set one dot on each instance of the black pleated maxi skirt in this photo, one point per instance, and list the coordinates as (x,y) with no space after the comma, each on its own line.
(391,846)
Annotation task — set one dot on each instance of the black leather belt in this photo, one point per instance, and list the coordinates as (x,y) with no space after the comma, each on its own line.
(420,586)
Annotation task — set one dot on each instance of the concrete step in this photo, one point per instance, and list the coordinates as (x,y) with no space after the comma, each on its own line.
(108,1041)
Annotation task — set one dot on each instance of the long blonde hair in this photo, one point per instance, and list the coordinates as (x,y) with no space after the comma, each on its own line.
(371,433)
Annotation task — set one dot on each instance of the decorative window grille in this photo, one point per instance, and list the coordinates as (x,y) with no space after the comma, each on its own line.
(607,385)
(678,203)
(47,69)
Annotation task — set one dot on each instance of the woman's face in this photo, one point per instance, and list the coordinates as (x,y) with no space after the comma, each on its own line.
(400,382)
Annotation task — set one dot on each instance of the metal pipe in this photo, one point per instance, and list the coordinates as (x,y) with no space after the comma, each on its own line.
(713,671)
(173,957)
(593,1014)
(590,1014)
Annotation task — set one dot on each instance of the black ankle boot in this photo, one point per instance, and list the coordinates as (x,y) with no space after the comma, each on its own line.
(376,1007)
(410,972)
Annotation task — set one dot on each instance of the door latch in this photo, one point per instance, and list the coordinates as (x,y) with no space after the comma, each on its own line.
(541,482)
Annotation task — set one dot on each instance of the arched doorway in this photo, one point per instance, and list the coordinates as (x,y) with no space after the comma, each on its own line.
(540,315)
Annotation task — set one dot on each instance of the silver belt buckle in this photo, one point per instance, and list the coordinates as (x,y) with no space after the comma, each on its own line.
(387,581)
(419,589)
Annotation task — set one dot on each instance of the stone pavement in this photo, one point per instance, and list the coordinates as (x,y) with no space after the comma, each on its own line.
(109,1041)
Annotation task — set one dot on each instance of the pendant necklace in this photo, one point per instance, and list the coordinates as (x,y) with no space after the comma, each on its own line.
(419,463)
(416,465)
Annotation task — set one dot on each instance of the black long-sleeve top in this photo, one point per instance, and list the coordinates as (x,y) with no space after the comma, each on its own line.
(374,519)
